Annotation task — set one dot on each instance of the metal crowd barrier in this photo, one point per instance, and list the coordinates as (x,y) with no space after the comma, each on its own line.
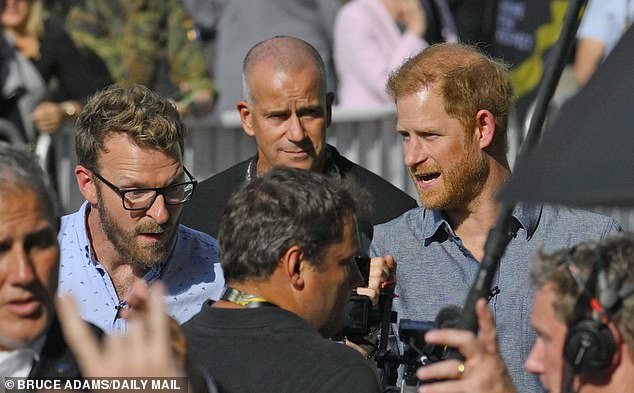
(365,136)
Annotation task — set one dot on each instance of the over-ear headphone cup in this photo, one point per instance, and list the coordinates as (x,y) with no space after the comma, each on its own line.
(589,346)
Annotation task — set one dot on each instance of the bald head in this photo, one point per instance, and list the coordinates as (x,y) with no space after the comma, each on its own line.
(281,53)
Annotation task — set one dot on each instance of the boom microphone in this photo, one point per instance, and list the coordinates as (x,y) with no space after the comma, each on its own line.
(448,317)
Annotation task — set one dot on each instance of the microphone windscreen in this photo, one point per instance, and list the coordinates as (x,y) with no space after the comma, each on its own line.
(448,316)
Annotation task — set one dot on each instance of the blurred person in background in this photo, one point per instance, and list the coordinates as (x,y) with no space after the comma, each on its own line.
(601,28)
(206,15)
(373,37)
(37,52)
(244,23)
(152,43)
(474,21)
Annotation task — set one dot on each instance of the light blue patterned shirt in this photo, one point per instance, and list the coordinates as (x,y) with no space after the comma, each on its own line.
(435,270)
(192,274)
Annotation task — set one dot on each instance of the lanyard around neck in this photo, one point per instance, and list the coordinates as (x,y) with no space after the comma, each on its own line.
(244,299)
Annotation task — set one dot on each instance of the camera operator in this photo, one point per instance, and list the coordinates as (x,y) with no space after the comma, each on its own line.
(583,312)
(288,243)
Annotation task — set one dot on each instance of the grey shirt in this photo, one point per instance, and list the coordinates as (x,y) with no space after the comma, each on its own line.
(434,269)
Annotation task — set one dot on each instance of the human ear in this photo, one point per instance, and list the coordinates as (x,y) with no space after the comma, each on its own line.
(484,127)
(246,117)
(86,184)
(294,267)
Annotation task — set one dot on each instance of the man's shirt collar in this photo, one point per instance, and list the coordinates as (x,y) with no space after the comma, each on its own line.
(435,227)
(19,362)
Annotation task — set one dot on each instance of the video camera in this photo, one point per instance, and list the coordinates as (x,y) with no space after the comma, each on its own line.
(364,318)
(416,352)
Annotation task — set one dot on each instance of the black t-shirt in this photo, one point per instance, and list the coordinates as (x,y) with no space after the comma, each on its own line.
(204,211)
(269,349)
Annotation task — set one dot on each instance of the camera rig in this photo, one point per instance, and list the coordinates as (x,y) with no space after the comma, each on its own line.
(367,320)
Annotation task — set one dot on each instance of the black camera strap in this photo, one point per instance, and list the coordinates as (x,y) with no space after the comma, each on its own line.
(244,299)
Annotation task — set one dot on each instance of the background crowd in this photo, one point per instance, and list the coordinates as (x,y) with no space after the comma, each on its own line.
(174,48)
(255,264)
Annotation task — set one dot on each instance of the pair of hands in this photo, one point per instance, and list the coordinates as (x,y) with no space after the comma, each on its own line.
(484,370)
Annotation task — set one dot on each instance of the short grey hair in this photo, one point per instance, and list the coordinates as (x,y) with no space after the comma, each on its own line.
(19,171)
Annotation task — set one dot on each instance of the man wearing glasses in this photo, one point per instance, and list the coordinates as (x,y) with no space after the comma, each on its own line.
(129,147)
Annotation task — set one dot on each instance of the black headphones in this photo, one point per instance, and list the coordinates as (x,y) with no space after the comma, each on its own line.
(590,345)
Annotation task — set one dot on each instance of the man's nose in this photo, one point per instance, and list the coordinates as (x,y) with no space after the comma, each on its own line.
(414,152)
(296,131)
(534,362)
(21,270)
(158,210)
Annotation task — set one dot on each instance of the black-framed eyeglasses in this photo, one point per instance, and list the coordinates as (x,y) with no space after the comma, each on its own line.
(143,198)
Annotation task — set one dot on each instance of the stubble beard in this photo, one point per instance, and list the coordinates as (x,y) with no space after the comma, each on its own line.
(460,184)
(125,242)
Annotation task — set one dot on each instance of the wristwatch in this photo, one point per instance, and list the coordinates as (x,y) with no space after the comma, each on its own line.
(69,109)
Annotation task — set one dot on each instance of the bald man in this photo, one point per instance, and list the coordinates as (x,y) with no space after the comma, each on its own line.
(287,108)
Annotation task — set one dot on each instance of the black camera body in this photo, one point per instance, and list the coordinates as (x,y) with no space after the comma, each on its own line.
(416,352)
(363,316)
(412,335)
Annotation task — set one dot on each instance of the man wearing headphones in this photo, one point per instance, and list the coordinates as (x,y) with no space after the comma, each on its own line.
(583,312)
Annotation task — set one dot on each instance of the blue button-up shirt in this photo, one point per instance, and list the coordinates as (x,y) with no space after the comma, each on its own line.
(434,269)
(192,274)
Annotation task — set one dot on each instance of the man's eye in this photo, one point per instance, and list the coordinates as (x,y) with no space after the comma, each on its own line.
(137,194)
(5,246)
(40,240)
(312,113)
(404,135)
